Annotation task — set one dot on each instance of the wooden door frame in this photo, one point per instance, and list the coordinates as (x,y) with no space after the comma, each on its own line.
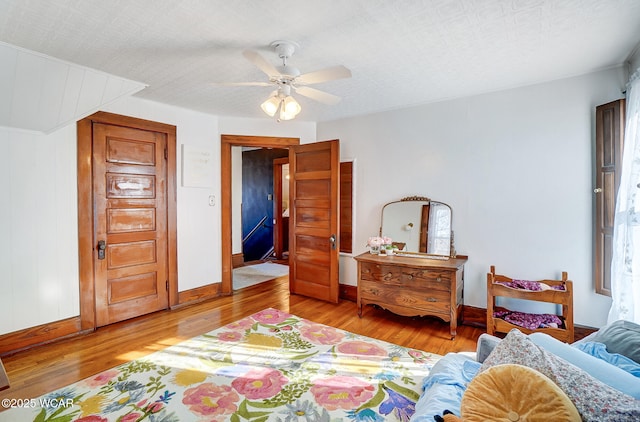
(226,142)
(86,242)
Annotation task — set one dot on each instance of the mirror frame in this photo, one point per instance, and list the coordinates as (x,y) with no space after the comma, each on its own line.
(416,254)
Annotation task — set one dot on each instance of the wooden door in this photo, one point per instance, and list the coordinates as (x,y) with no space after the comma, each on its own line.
(130,215)
(610,120)
(313,239)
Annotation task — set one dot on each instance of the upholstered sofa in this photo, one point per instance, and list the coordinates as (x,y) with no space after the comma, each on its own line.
(594,379)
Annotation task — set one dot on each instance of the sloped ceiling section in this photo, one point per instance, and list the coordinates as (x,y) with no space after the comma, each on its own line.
(41,93)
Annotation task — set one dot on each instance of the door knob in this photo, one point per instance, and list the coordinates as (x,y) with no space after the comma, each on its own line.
(332,240)
(102,246)
(597,190)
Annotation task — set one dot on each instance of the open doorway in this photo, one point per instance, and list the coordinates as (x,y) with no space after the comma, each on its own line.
(260,202)
(258,194)
(230,217)
(305,159)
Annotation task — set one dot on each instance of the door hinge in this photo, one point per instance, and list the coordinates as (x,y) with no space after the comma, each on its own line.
(167,285)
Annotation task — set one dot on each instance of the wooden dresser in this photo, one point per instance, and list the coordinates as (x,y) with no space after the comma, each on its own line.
(412,286)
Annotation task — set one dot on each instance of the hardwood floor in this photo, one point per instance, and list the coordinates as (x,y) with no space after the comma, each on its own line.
(42,369)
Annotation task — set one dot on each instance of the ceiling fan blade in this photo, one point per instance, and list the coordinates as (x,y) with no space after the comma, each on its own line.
(324,75)
(316,94)
(260,62)
(242,84)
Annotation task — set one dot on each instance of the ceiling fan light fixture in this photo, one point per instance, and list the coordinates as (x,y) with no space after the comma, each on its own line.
(270,107)
(291,106)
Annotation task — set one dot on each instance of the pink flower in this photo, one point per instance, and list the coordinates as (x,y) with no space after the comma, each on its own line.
(271,316)
(240,325)
(92,418)
(130,417)
(260,383)
(230,336)
(102,378)
(154,407)
(358,347)
(341,392)
(209,399)
(321,334)
(379,241)
(415,353)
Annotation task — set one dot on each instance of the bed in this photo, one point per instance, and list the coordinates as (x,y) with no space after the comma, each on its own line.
(598,377)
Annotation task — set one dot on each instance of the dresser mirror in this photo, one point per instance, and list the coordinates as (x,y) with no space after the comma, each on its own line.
(419,226)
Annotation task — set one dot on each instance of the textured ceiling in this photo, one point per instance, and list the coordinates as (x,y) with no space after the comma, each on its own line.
(401,53)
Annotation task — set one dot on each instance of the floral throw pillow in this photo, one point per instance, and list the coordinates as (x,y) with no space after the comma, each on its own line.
(594,400)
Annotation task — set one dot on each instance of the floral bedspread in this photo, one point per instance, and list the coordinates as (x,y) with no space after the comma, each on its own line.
(270,366)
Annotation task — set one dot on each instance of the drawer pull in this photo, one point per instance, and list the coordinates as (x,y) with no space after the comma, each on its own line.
(410,277)
(439,279)
(432,299)
(388,276)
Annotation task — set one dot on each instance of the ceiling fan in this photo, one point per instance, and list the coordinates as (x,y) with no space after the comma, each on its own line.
(286,78)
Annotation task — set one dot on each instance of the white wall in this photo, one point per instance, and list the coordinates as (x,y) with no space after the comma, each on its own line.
(516,167)
(634,60)
(38,228)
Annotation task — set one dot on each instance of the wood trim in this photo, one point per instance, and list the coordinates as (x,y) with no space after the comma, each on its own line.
(4,379)
(188,297)
(85,226)
(609,145)
(348,292)
(476,317)
(85,207)
(346,206)
(237,260)
(226,142)
(18,340)
(172,216)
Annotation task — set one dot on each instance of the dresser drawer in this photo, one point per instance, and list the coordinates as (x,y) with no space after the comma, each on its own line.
(414,278)
(428,301)
(429,279)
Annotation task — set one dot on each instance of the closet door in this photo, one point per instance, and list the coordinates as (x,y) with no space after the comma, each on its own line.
(610,120)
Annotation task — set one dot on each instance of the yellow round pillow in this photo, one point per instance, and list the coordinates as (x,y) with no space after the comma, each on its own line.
(515,393)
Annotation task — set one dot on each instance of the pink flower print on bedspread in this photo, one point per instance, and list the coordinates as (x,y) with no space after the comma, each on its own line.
(102,378)
(260,383)
(341,392)
(271,316)
(241,325)
(211,400)
(321,334)
(230,336)
(363,348)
